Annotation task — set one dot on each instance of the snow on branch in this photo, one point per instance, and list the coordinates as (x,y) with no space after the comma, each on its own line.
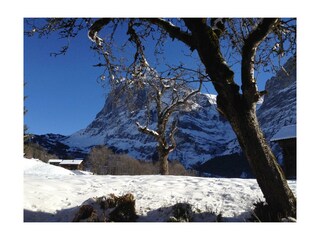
(146,130)
(173,130)
(95,28)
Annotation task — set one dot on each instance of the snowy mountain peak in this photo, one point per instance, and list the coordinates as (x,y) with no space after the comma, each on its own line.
(197,139)
(203,134)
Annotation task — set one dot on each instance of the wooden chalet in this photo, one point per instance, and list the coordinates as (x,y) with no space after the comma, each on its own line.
(287,140)
(75,164)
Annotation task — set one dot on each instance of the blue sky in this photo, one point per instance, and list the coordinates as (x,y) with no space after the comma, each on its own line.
(63,95)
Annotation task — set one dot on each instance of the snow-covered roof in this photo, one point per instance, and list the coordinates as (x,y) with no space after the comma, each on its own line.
(285,132)
(55,161)
(71,162)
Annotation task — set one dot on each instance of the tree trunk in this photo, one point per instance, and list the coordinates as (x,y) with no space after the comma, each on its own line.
(240,111)
(163,160)
(263,163)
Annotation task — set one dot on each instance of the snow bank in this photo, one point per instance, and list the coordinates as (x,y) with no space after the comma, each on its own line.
(37,167)
(57,197)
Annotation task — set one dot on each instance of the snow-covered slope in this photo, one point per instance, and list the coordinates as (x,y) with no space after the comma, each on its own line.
(53,194)
(37,167)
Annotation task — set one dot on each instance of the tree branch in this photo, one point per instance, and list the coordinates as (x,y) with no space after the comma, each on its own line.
(249,50)
(173,31)
(146,130)
(173,130)
(96,27)
(173,107)
(208,47)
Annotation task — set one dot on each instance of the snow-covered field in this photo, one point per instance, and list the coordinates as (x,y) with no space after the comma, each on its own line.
(52,194)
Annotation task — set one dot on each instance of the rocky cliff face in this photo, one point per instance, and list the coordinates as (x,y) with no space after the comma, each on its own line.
(203,133)
(277,110)
(279,106)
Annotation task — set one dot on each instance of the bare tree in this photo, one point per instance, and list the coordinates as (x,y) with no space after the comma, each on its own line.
(252,43)
(169,98)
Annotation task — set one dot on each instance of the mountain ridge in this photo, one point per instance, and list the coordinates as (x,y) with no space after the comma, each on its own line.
(203,133)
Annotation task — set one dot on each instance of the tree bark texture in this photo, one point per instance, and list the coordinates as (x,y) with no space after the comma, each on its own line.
(240,111)
(163,160)
(163,146)
(268,172)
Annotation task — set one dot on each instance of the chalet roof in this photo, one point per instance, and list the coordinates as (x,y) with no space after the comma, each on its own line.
(71,162)
(55,160)
(286,132)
